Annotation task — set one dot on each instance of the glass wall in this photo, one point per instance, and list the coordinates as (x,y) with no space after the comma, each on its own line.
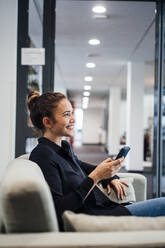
(119,85)
(162,168)
(34,79)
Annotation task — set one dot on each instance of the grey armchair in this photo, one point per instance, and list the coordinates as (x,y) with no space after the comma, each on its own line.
(29,216)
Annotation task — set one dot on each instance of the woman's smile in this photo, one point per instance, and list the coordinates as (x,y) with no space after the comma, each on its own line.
(70,127)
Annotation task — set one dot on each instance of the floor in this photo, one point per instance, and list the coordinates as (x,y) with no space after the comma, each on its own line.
(95,154)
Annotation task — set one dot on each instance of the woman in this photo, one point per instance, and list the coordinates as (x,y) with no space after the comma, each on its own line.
(71,181)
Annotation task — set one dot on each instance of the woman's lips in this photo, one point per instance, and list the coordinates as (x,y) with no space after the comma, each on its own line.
(70,127)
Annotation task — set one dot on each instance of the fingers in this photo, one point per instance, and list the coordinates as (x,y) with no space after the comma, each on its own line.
(119,188)
(108,160)
(126,184)
(108,189)
(116,168)
(123,190)
(118,161)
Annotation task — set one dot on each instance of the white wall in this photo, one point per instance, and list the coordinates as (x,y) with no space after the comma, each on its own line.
(123,116)
(147,114)
(8,51)
(92,121)
(114,120)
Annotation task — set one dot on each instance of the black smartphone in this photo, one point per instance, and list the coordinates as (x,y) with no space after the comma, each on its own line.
(123,152)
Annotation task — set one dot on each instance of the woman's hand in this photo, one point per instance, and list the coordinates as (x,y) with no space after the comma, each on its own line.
(119,187)
(106,169)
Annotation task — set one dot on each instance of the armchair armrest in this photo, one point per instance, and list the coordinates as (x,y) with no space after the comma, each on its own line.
(139,184)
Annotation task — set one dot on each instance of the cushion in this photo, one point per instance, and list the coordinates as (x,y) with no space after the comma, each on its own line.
(130,197)
(91,223)
(26,201)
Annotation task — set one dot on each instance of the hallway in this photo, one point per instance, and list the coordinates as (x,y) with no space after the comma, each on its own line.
(93,154)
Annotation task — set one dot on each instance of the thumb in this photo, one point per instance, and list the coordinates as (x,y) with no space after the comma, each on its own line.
(118,161)
(108,189)
(108,160)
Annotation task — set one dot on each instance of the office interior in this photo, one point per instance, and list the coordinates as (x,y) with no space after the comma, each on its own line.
(110,64)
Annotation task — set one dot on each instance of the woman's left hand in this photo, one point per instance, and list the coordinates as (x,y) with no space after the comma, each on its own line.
(119,187)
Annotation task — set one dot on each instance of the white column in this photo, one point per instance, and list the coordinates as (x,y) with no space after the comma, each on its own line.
(134,128)
(8,58)
(114,120)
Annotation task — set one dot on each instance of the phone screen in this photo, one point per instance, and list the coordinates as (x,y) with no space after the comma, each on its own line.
(123,152)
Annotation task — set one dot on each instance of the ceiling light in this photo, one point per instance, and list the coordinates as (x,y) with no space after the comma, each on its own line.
(90,65)
(99,9)
(84,106)
(88,78)
(86,99)
(94,42)
(86,93)
(101,16)
(85,102)
(87,87)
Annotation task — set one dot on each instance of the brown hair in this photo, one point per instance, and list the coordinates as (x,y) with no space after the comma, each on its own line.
(41,106)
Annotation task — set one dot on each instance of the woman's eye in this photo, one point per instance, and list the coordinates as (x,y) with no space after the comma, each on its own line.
(66,115)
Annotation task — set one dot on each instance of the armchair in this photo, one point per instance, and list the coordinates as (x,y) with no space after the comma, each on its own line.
(29,217)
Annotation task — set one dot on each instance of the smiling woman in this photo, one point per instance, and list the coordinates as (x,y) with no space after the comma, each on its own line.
(73,182)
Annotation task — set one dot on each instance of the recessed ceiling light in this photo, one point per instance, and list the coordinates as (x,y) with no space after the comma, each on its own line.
(87,87)
(85,99)
(99,9)
(86,93)
(94,42)
(88,78)
(90,65)
(85,105)
(85,102)
(100,16)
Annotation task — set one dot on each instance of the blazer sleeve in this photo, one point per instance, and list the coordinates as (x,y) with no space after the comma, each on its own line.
(88,168)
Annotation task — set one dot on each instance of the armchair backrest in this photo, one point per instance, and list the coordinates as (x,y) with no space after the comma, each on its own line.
(26,201)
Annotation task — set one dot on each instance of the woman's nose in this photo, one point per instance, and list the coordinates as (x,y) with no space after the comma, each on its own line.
(72,119)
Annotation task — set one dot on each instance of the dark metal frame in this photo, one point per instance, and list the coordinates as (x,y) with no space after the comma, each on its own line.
(159,85)
(49,44)
(22,73)
(22,131)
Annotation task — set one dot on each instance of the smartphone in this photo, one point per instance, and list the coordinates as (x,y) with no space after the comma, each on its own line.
(123,152)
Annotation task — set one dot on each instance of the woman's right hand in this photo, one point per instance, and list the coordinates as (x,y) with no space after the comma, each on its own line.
(106,169)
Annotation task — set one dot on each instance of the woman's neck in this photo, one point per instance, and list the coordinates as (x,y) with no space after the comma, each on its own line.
(56,140)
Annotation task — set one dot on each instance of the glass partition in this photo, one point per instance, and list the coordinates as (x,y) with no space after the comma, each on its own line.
(116,92)
(34,78)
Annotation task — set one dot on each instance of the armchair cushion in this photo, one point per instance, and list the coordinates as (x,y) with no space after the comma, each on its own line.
(26,201)
(130,197)
(139,184)
(90,223)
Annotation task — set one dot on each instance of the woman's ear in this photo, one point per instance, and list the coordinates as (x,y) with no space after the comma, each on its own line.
(47,122)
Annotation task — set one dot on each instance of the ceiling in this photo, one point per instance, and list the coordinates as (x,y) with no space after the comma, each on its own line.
(128,34)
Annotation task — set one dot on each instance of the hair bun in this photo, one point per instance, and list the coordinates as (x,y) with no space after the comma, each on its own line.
(32,99)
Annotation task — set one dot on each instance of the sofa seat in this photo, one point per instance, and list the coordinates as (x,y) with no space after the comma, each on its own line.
(86,240)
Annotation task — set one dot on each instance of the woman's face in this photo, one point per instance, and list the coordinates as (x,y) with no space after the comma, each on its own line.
(64,119)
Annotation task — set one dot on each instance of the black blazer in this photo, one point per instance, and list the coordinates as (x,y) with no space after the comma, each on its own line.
(69,183)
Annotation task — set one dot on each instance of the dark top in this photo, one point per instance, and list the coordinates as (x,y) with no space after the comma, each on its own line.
(69,183)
